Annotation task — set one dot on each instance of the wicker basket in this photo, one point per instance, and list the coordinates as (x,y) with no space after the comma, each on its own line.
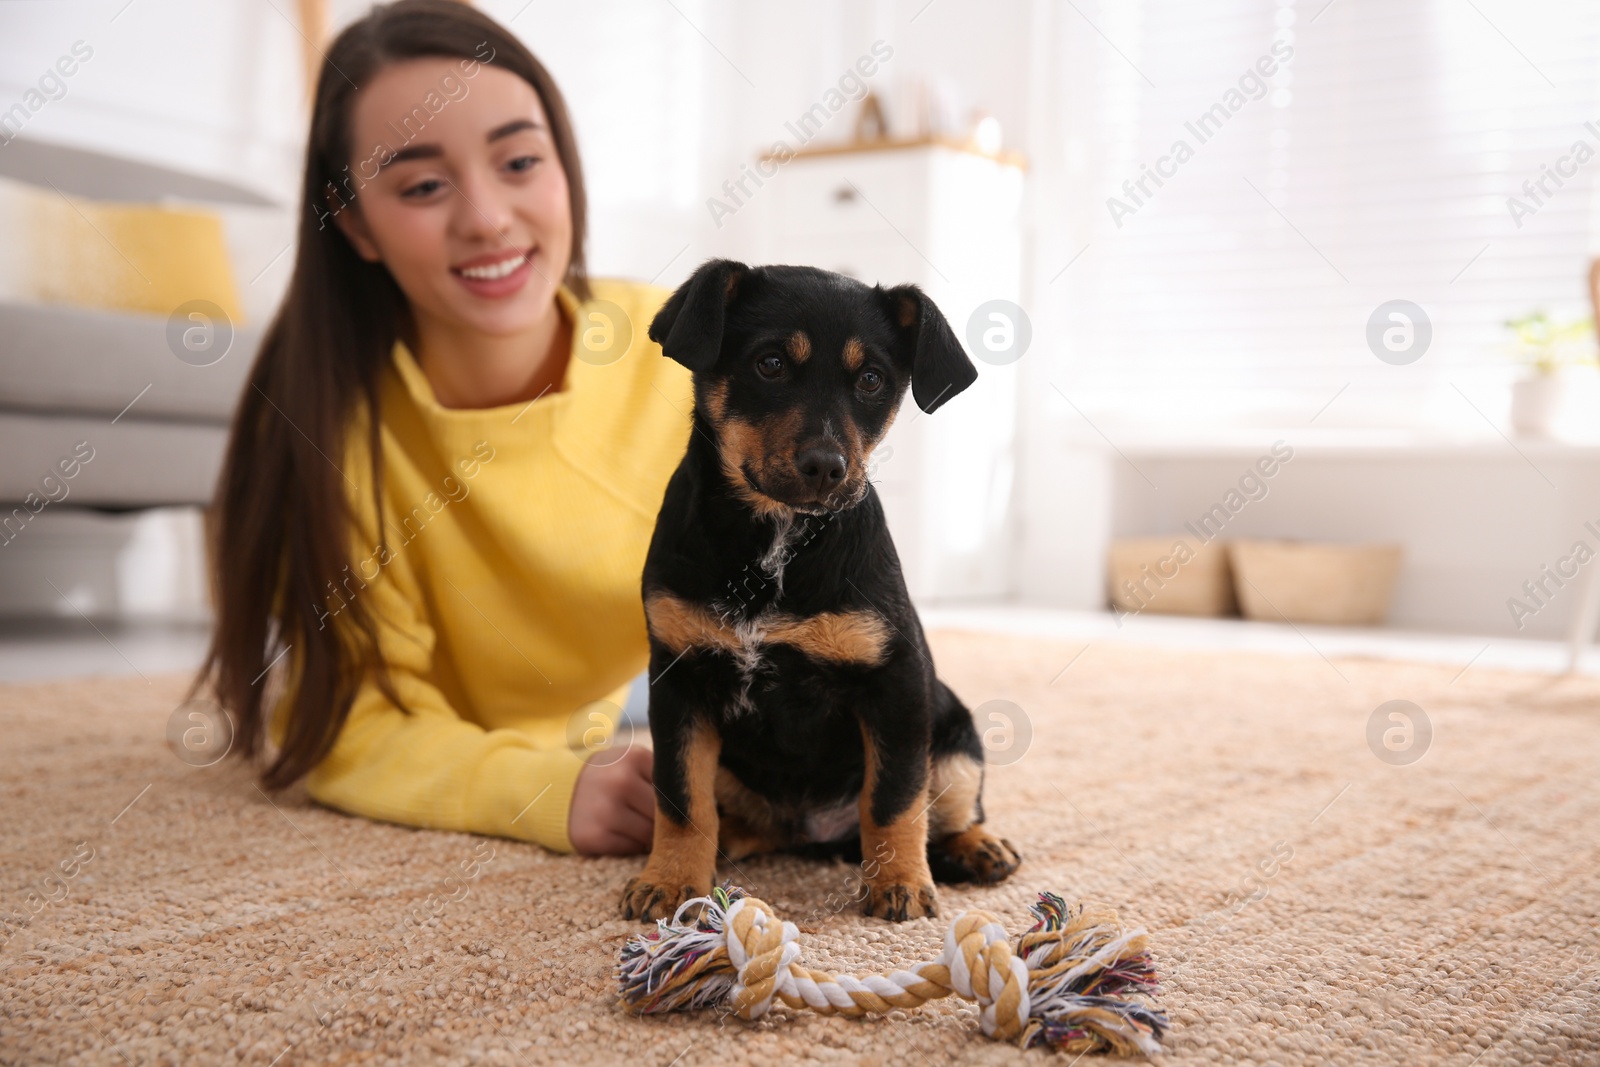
(1305,581)
(1164,582)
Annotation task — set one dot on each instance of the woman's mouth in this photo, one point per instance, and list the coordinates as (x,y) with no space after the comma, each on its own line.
(497,274)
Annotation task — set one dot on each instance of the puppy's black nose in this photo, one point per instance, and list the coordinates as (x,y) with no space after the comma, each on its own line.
(821,467)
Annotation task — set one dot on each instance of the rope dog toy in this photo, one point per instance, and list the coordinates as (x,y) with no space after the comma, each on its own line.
(1073,982)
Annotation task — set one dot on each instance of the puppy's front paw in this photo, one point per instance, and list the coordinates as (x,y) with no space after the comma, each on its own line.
(899,901)
(647,899)
(974,855)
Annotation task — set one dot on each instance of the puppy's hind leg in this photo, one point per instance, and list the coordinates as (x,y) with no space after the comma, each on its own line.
(959,848)
(747,825)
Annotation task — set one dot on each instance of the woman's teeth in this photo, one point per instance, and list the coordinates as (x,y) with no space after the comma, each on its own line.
(494,270)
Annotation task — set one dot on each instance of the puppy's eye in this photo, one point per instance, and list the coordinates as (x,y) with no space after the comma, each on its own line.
(769,366)
(870,381)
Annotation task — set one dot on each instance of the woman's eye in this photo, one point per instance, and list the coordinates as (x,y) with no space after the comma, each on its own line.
(770,366)
(523,163)
(870,381)
(422,189)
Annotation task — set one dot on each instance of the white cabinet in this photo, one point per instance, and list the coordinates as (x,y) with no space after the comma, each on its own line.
(948,220)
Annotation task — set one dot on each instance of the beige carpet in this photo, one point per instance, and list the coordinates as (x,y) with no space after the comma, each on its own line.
(1440,912)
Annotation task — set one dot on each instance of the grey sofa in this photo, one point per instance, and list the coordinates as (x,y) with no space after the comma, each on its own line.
(113,383)
(154,425)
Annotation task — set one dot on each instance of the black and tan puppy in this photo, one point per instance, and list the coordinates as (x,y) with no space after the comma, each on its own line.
(792,697)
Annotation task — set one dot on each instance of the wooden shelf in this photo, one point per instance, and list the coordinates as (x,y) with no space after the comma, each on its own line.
(955,144)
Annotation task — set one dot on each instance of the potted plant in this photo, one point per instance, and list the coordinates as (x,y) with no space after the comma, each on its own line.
(1549,348)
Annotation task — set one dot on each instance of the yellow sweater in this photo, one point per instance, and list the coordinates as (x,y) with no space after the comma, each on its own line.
(517,539)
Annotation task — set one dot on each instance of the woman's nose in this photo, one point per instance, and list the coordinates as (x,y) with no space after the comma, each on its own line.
(481,210)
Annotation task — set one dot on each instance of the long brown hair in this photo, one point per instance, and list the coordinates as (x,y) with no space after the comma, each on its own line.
(279,526)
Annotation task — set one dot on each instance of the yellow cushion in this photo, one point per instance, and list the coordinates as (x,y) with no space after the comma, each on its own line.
(112,256)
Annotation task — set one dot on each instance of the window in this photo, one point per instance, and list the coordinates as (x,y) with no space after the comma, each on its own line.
(1375,163)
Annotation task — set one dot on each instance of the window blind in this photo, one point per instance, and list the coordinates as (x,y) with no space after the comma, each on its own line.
(1375,163)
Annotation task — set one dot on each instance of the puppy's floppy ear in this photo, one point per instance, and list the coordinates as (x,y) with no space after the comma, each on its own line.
(939,365)
(689,325)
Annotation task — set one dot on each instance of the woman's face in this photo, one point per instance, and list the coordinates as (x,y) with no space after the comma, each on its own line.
(468,208)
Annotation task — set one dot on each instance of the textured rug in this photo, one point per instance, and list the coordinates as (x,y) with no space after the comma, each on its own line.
(1323,882)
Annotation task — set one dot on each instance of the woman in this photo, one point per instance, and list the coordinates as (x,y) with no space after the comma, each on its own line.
(445,665)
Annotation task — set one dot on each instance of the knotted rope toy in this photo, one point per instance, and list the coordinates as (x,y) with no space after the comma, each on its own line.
(1075,981)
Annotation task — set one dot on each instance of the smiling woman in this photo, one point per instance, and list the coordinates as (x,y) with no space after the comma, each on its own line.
(485,196)
(465,673)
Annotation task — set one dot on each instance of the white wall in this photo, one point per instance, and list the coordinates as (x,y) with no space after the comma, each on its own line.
(1397,164)
(1474,522)
(671,99)
(215,87)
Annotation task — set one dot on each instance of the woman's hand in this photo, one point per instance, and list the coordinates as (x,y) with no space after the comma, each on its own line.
(614,806)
